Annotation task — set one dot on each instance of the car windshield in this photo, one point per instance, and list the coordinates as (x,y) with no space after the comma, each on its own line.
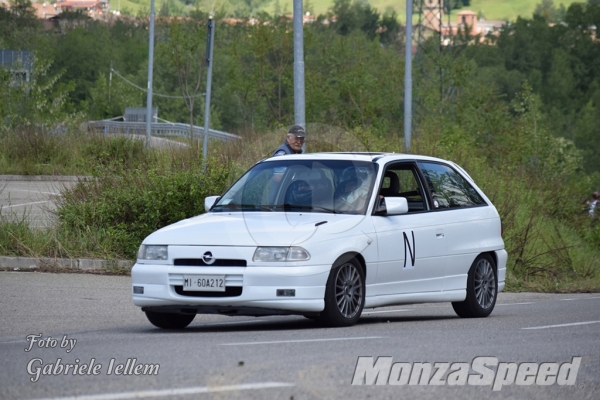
(324,186)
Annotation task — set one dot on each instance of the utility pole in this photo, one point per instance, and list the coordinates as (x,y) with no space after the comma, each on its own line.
(210,40)
(150,65)
(408,77)
(299,101)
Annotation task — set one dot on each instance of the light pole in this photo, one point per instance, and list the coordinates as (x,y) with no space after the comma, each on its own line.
(210,40)
(150,65)
(299,107)
(408,77)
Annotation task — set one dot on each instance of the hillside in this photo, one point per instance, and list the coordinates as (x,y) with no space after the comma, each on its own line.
(491,9)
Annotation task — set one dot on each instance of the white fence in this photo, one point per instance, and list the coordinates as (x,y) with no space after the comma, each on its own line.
(157,129)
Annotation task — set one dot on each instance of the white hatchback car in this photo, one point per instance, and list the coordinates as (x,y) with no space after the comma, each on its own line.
(325,235)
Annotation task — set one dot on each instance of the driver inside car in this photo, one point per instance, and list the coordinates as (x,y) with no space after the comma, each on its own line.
(351,195)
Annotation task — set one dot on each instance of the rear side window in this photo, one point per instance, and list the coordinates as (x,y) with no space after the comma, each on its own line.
(448,188)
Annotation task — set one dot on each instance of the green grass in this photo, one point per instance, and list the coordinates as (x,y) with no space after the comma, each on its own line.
(491,9)
(507,9)
(133,8)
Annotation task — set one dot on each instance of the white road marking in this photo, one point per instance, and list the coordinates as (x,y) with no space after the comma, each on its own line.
(26,204)
(384,311)
(31,191)
(300,341)
(582,298)
(513,304)
(175,392)
(562,325)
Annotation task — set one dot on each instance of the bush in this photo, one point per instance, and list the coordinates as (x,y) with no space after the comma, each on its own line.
(31,150)
(124,206)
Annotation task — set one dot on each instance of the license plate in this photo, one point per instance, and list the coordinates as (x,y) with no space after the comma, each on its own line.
(204,283)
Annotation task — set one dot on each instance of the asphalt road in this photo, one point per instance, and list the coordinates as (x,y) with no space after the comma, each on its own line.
(31,198)
(219,357)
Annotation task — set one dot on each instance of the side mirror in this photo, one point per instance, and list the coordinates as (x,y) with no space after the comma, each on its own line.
(210,201)
(396,205)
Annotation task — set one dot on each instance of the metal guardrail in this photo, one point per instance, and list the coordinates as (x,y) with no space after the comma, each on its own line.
(157,129)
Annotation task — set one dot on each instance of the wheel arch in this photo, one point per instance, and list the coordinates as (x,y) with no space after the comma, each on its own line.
(494,257)
(480,298)
(349,256)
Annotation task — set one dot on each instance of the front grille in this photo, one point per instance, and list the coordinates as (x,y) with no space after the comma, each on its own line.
(198,262)
(231,291)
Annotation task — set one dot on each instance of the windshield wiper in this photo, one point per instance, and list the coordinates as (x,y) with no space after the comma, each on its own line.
(325,209)
(288,206)
(235,206)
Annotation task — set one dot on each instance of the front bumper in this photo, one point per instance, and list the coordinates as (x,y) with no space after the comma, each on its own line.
(253,289)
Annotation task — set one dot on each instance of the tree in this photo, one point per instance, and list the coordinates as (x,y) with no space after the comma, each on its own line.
(42,101)
(22,9)
(352,15)
(353,82)
(461,3)
(547,10)
(560,64)
(184,48)
(247,8)
(19,27)
(560,81)
(164,9)
(266,57)
(390,28)
(109,98)
(84,53)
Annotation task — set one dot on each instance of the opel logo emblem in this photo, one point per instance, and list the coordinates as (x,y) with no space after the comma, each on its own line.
(208,258)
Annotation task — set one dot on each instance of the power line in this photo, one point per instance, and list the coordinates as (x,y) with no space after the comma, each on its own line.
(154,94)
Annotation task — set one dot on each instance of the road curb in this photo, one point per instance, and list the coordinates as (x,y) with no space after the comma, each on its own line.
(19,263)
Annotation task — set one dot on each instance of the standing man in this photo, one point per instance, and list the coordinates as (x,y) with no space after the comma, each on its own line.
(293,142)
(595,203)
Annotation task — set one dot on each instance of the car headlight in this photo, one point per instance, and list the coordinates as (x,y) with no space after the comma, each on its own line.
(153,252)
(270,254)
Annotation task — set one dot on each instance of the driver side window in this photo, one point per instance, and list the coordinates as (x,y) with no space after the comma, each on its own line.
(400,180)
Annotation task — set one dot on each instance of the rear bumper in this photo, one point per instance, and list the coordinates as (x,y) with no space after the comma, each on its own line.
(502,257)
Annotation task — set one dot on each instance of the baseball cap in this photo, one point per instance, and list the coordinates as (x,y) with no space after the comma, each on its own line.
(298,131)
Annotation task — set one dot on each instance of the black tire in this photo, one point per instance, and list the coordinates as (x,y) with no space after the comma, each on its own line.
(169,320)
(482,289)
(344,295)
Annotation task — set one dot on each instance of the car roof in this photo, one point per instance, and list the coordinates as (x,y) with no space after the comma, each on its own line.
(379,157)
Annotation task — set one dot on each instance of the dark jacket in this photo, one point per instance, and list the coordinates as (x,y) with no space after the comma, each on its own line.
(285,149)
